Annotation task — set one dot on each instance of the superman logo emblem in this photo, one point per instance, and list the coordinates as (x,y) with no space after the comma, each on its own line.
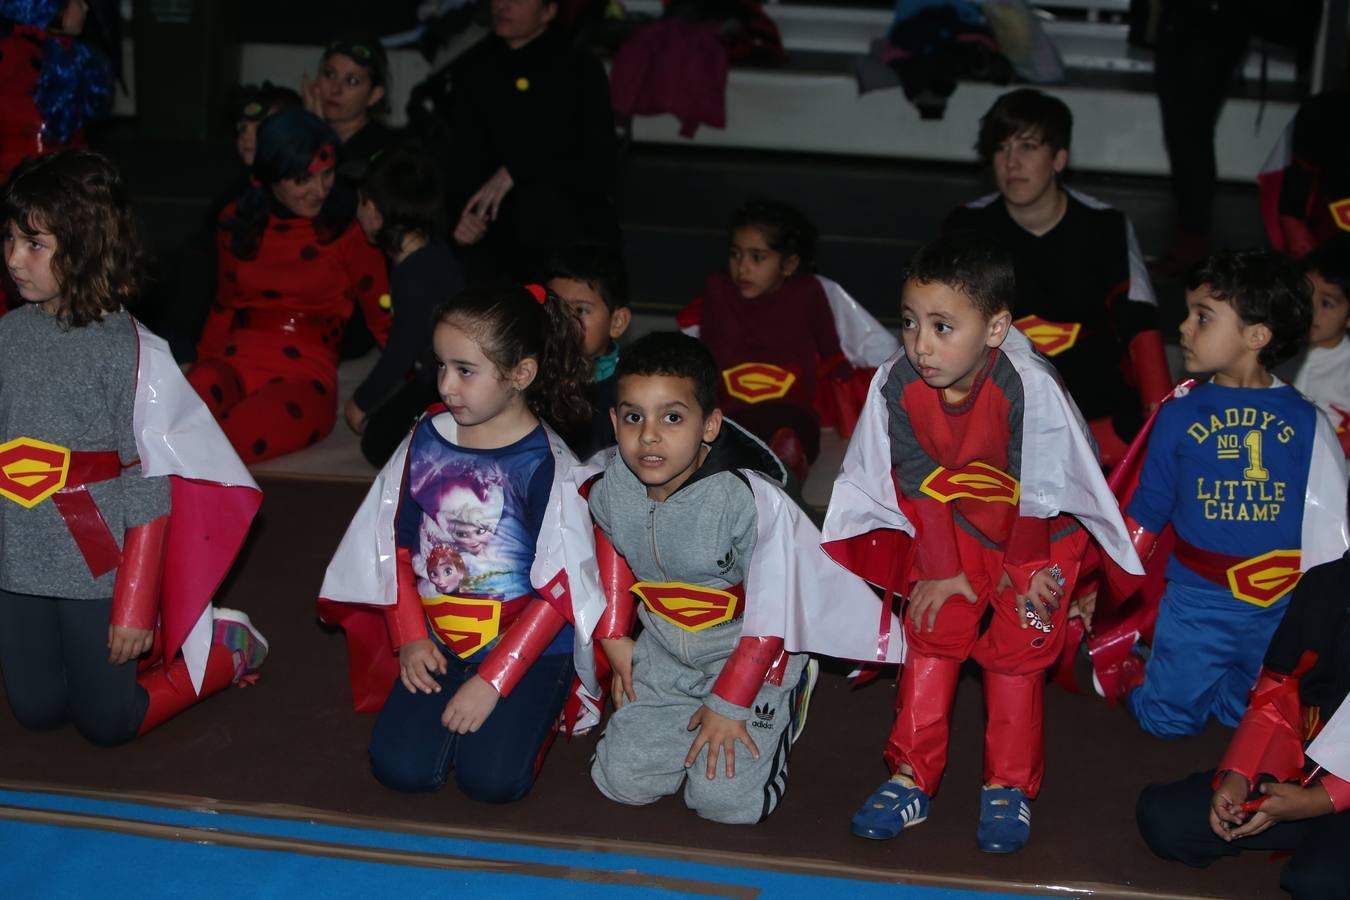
(1340,213)
(464,625)
(756,382)
(32,470)
(976,481)
(1266,578)
(1050,338)
(691,608)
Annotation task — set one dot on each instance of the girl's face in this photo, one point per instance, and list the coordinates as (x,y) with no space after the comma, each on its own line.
(469,383)
(520,21)
(755,267)
(346,91)
(306,194)
(29,260)
(246,140)
(369,218)
(73,15)
(446,576)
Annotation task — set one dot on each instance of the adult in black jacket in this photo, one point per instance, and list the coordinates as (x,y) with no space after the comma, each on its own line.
(533,143)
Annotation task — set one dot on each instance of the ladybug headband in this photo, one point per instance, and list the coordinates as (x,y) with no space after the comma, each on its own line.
(324,158)
(538,292)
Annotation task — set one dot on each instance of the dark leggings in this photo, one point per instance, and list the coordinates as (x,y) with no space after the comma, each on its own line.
(1174,821)
(54,654)
(1193,66)
(411,751)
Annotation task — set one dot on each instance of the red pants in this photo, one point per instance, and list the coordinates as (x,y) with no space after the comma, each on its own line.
(1014,660)
(274,389)
(280,417)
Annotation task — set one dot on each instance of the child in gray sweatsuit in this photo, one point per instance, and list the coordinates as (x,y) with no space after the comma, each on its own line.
(675,505)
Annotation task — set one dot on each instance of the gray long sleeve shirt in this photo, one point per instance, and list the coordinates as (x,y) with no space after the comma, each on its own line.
(76,388)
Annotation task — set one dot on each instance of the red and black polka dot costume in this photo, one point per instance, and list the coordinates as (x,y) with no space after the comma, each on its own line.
(268,356)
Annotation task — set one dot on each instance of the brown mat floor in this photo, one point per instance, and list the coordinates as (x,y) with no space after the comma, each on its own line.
(293,739)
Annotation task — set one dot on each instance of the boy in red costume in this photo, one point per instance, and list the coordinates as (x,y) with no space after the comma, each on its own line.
(971,447)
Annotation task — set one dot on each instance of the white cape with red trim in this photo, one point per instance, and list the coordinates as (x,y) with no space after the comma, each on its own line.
(1060,473)
(1331,748)
(564,571)
(1324,537)
(793,589)
(213,500)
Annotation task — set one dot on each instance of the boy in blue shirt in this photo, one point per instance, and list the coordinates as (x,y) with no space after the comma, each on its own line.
(1249,475)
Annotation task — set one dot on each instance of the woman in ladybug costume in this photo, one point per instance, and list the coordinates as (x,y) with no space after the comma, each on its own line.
(293,267)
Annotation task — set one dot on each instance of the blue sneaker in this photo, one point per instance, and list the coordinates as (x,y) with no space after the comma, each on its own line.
(801,697)
(1005,820)
(896,805)
(247,646)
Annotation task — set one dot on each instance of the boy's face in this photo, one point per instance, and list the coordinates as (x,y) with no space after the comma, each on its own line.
(1214,338)
(369,218)
(1025,167)
(599,325)
(661,430)
(946,336)
(1331,312)
(756,267)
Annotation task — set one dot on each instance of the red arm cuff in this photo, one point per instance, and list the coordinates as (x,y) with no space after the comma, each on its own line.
(1338,789)
(616,579)
(136,589)
(406,620)
(744,670)
(935,553)
(1027,551)
(523,643)
(1269,739)
(1149,361)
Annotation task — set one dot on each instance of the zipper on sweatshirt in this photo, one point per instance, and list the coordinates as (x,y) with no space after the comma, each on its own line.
(651,531)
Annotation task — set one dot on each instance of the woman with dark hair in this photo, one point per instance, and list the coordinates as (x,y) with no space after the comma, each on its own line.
(534,147)
(293,267)
(50,84)
(350,95)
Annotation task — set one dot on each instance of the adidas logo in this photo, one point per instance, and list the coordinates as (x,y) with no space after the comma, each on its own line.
(725,563)
(763,717)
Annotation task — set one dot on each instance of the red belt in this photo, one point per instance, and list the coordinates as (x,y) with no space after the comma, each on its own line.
(35,470)
(1259,579)
(691,607)
(285,322)
(1207,564)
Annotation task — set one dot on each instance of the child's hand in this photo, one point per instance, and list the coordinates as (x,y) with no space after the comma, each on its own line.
(127,643)
(929,596)
(1044,594)
(1225,808)
(619,652)
(721,735)
(355,416)
(311,92)
(486,203)
(1084,607)
(469,708)
(417,660)
(1285,803)
(470,229)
